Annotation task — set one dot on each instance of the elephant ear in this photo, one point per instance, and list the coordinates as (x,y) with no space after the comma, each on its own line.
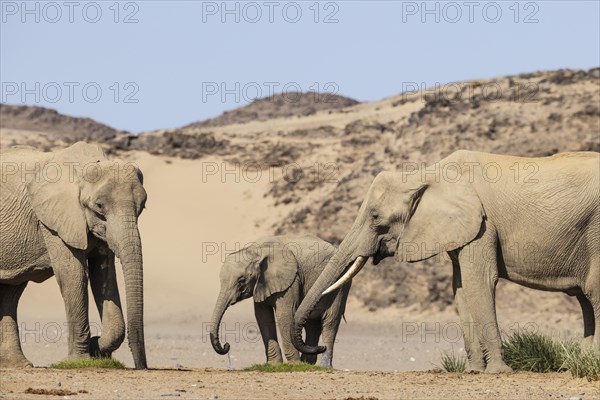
(277,272)
(444,216)
(54,192)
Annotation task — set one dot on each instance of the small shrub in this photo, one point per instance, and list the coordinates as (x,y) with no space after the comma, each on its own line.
(453,363)
(286,367)
(89,363)
(583,361)
(525,351)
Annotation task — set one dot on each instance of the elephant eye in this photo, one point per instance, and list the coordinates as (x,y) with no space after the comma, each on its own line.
(98,209)
(241,280)
(374,215)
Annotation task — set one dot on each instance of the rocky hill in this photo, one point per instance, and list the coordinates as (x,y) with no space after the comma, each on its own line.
(327,156)
(282,105)
(52,125)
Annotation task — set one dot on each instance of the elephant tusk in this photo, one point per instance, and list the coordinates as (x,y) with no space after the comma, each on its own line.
(351,273)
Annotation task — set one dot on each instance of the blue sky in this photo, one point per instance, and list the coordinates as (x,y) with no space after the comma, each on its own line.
(148,65)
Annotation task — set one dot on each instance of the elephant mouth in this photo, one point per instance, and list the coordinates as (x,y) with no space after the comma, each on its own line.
(243,295)
(376,259)
(382,250)
(99,231)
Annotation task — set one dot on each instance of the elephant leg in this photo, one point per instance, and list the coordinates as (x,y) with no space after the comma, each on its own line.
(596,341)
(593,297)
(70,268)
(313,332)
(268,331)
(331,323)
(330,328)
(472,344)
(103,280)
(592,293)
(285,315)
(588,318)
(479,276)
(11,353)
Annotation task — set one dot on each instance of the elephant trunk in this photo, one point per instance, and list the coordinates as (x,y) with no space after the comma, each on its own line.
(343,257)
(220,308)
(129,251)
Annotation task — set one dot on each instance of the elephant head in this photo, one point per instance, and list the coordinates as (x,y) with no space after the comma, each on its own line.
(80,192)
(260,270)
(413,215)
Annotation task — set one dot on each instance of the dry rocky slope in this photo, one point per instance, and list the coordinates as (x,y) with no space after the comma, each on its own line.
(340,145)
(51,126)
(288,104)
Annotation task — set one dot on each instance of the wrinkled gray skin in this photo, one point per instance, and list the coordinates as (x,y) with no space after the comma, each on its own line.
(278,271)
(538,224)
(68,214)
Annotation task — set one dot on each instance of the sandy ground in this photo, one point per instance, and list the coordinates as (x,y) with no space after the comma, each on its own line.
(192,220)
(236,385)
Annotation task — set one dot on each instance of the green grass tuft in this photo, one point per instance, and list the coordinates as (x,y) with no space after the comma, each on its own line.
(286,367)
(525,351)
(453,363)
(583,361)
(89,363)
(539,353)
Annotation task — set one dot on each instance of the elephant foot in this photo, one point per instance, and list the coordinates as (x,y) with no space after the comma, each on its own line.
(498,368)
(309,358)
(476,367)
(15,362)
(326,361)
(293,358)
(95,350)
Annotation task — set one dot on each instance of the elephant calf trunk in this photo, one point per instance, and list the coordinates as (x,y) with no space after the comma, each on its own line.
(216,344)
(220,308)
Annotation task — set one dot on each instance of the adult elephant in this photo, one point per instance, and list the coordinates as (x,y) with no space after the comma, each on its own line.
(278,271)
(533,221)
(68,214)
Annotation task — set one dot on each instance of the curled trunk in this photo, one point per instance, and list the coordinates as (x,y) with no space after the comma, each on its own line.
(338,263)
(220,308)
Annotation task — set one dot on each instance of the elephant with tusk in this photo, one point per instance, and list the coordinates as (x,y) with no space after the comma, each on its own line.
(277,272)
(69,213)
(533,221)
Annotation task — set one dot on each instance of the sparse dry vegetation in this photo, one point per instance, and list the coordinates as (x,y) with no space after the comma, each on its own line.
(582,361)
(89,363)
(451,362)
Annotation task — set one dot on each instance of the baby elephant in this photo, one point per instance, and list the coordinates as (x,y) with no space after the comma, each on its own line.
(278,271)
